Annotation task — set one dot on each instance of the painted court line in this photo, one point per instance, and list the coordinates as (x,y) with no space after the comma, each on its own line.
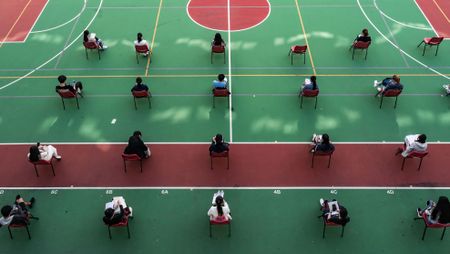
(230,188)
(153,39)
(306,37)
(14,24)
(398,22)
(207,143)
(426,18)
(230,75)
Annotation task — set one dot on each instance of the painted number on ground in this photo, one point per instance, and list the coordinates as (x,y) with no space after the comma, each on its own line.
(109,192)
(54,192)
(278,192)
(2,192)
(334,192)
(390,192)
(164,192)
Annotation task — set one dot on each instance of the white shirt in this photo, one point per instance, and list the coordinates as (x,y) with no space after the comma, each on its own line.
(141,43)
(412,145)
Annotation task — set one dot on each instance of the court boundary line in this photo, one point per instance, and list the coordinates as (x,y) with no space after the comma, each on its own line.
(237,143)
(395,46)
(192,188)
(153,39)
(398,22)
(55,56)
(306,38)
(15,23)
(61,25)
(230,76)
(426,18)
(440,9)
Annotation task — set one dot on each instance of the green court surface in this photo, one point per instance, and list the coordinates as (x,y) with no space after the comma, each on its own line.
(264,221)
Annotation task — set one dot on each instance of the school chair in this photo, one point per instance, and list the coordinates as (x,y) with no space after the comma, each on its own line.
(219,222)
(415,154)
(18,226)
(220,92)
(433,41)
(131,157)
(327,223)
(390,93)
(310,94)
(123,223)
(67,94)
(428,224)
(298,50)
(143,49)
(218,49)
(322,153)
(140,95)
(91,45)
(42,162)
(362,45)
(224,154)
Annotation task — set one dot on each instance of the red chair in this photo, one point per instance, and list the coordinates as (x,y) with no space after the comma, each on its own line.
(310,94)
(362,45)
(224,154)
(91,45)
(390,93)
(42,162)
(143,49)
(217,92)
(218,49)
(322,153)
(142,94)
(220,222)
(327,223)
(67,94)
(433,41)
(298,50)
(430,225)
(123,223)
(414,154)
(131,157)
(18,226)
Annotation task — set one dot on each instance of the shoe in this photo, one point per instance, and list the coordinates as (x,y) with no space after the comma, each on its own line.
(314,137)
(58,157)
(131,212)
(104,47)
(312,150)
(32,200)
(399,151)
(419,212)
(375,83)
(322,202)
(446,87)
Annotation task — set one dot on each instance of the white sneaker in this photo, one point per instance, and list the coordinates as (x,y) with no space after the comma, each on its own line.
(131,212)
(221,193)
(322,202)
(58,157)
(375,83)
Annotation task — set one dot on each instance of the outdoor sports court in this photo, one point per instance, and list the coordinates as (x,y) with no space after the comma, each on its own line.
(272,190)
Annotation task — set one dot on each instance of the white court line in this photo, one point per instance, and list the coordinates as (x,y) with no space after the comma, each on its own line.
(397,47)
(398,22)
(61,25)
(235,143)
(192,188)
(425,16)
(55,56)
(230,76)
(35,21)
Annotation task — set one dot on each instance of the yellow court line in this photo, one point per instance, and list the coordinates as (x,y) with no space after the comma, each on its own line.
(153,38)
(15,23)
(235,75)
(306,37)
(443,13)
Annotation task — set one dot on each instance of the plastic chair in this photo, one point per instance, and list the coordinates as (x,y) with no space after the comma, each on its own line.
(218,49)
(143,49)
(142,94)
(217,92)
(18,226)
(298,50)
(42,162)
(362,45)
(224,154)
(310,94)
(390,93)
(414,154)
(67,94)
(327,223)
(123,223)
(131,157)
(430,225)
(322,153)
(91,45)
(433,41)
(220,222)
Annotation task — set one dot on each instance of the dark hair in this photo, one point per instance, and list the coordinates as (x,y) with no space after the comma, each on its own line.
(219,138)
(219,203)
(365,32)
(221,77)
(85,35)
(325,139)
(442,209)
(34,153)
(313,81)
(139,37)
(109,212)
(422,138)
(138,80)
(218,39)
(6,210)
(62,79)
(137,133)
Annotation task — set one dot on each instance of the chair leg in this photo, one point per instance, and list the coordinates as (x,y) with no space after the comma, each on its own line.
(224,57)
(381,101)
(125,165)
(53,169)
(367,50)
(420,164)
(424,46)
(149,102)
(301,102)
(315,105)
(76,98)
(35,169)
(323,232)
(437,48)
(29,236)
(109,231)
(137,58)
(211,159)
(128,231)
(229,99)
(64,105)
(329,161)
(214,101)
(98,50)
(210,230)
(228,162)
(135,106)
(443,233)
(304,58)
(353,54)
(312,161)
(395,104)
(420,44)
(85,49)
(403,163)
(424,231)
(229,230)
(212,57)
(140,162)
(290,51)
(10,234)
(342,232)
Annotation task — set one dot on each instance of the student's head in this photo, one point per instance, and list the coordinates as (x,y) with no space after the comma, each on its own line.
(34,153)
(139,37)
(219,204)
(62,79)
(218,37)
(396,78)
(325,139)
(365,32)
(422,138)
(86,35)
(137,133)
(109,213)
(6,210)
(138,80)
(219,138)
(313,81)
(221,77)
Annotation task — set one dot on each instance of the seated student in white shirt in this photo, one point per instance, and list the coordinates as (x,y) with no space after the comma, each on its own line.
(92,37)
(219,211)
(116,211)
(221,82)
(413,143)
(141,42)
(447,89)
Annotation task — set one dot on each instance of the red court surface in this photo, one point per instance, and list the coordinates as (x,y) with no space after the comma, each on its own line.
(250,166)
(214,14)
(437,13)
(18,18)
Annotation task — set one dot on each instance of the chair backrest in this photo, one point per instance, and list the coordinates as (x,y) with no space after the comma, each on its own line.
(418,154)
(40,162)
(222,154)
(310,93)
(433,225)
(218,48)
(131,157)
(141,48)
(122,223)
(221,92)
(90,44)
(219,220)
(392,92)
(140,94)
(66,93)
(436,40)
(300,49)
(361,44)
(323,153)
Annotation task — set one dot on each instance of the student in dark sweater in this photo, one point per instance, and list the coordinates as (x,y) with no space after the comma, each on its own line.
(218,145)
(322,143)
(137,146)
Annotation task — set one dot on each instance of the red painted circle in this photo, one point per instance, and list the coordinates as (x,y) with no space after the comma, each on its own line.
(213,14)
